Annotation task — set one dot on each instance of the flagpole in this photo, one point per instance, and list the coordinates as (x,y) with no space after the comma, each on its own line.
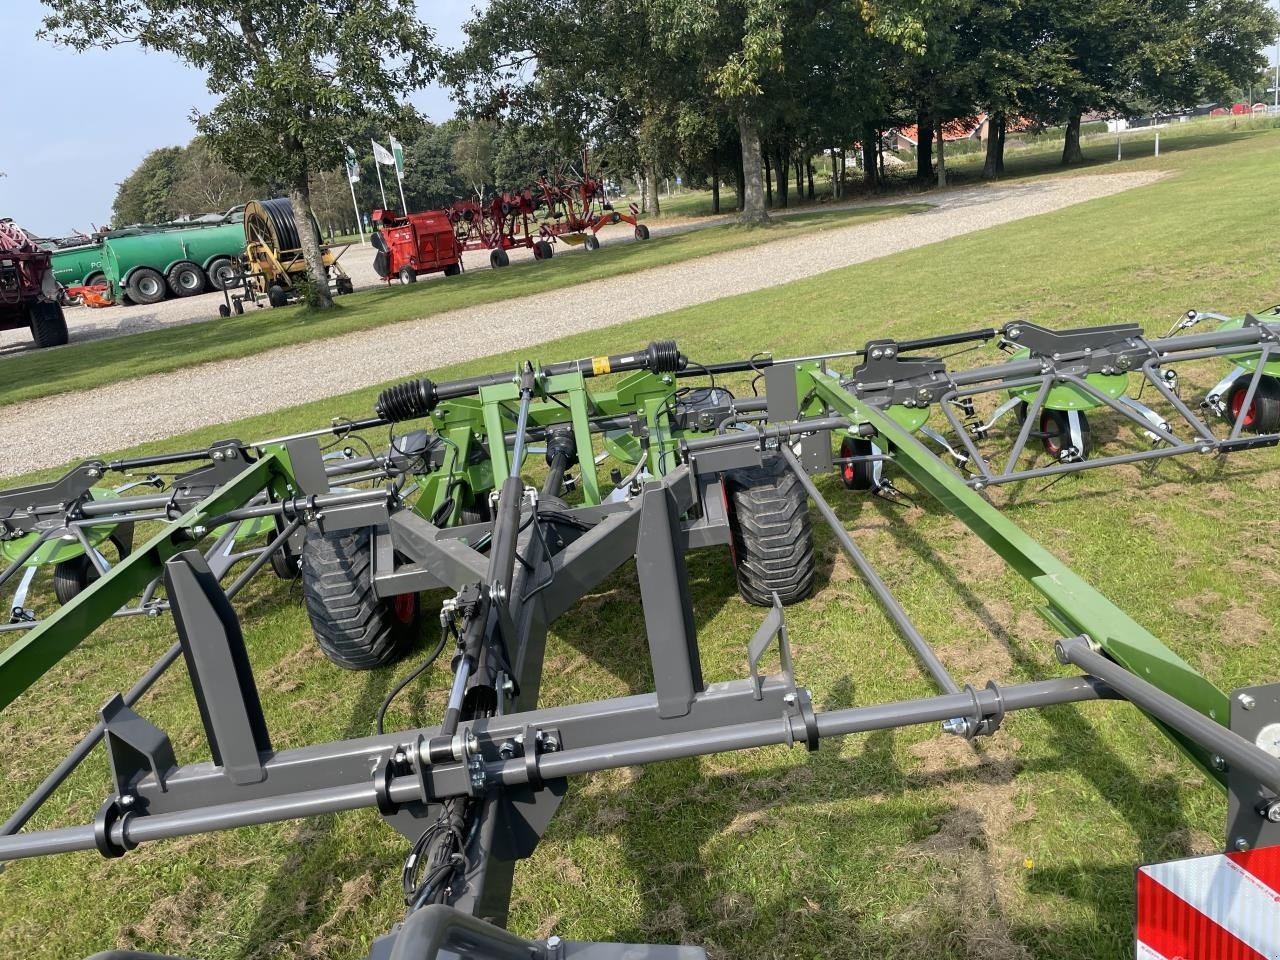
(356,207)
(378,167)
(404,206)
(397,156)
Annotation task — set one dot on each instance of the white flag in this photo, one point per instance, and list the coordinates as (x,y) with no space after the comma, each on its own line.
(382,154)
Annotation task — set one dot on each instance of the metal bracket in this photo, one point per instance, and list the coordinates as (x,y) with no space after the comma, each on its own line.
(135,747)
(773,626)
(1255,715)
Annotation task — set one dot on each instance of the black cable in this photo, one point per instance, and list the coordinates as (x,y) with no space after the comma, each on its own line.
(411,676)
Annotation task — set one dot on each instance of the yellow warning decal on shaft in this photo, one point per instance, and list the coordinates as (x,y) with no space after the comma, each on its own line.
(599,365)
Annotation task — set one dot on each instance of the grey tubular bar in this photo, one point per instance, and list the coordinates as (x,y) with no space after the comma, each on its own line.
(132,830)
(1173,713)
(887,600)
(778,432)
(437,927)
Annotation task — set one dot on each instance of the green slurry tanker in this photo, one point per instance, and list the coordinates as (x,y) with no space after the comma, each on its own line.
(148,267)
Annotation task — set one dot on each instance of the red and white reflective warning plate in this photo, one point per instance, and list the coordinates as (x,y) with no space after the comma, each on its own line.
(1224,907)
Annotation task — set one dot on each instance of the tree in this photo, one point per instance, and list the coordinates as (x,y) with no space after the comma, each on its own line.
(293,78)
(145,195)
(205,184)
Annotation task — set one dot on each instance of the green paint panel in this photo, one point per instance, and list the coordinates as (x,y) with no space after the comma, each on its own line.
(1067,396)
(1250,360)
(63,548)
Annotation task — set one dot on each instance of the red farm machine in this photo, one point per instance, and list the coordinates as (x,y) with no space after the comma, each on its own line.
(28,289)
(414,244)
(565,205)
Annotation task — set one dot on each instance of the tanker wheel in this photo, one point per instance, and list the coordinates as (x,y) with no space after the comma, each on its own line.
(642,232)
(592,242)
(72,577)
(1055,425)
(186,280)
(453,269)
(407,276)
(499,258)
(355,629)
(146,286)
(221,273)
(97,280)
(772,536)
(1263,415)
(48,324)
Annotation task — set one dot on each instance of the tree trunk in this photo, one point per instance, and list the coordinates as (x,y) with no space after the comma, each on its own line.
(993,165)
(751,196)
(768,180)
(1004,126)
(808,169)
(942,155)
(651,182)
(638,177)
(1071,152)
(784,175)
(924,145)
(715,183)
(300,200)
(869,167)
(835,175)
(739,180)
(800,174)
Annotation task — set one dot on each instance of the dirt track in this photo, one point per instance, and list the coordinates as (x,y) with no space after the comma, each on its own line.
(166,404)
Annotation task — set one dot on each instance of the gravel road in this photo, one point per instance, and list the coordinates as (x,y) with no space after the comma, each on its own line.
(118,415)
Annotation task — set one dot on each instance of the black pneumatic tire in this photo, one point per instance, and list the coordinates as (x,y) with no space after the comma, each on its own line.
(642,232)
(772,536)
(591,242)
(185,280)
(355,629)
(48,324)
(1263,415)
(146,286)
(408,275)
(220,273)
(72,577)
(498,258)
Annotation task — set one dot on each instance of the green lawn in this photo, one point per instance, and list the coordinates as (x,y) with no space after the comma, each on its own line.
(903,844)
(79,366)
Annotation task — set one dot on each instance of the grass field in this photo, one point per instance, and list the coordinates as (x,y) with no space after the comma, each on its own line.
(43,373)
(902,845)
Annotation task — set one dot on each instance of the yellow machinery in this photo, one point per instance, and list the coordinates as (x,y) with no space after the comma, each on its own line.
(274,265)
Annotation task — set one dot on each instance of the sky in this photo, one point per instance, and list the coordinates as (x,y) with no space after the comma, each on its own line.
(79,123)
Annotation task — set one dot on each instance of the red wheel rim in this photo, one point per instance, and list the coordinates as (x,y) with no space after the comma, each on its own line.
(846,469)
(403,605)
(1237,403)
(1048,427)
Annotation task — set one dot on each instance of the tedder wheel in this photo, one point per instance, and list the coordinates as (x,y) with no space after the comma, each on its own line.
(220,273)
(1263,415)
(355,629)
(186,280)
(223,310)
(237,307)
(146,286)
(276,295)
(48,324)
(542,250)
(1056,427)
(861,475)
(642,232)
(499,258)
(453,269)
(592,242)
(285,565)
(772,537)
(407,275)
(71,577)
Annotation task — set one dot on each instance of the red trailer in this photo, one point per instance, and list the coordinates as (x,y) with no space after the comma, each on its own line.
(28,290)
(409,246)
